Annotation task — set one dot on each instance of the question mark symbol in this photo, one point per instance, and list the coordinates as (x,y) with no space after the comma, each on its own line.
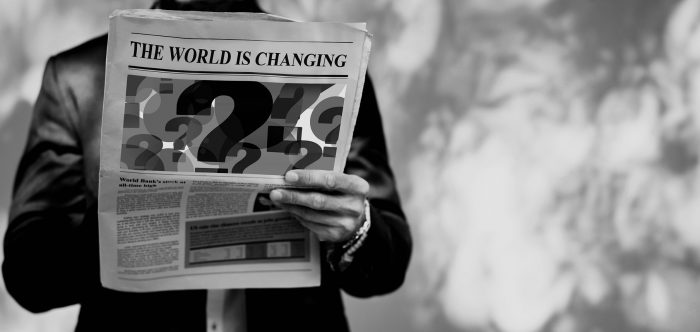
(277,142)
(192,129)
(325,122)
(131,115)
(334,116)
(252,154)
(137,156)
(252,107)
(312,154)
(288,102)
(294,99)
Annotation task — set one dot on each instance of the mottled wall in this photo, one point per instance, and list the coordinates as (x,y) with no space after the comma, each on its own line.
(547,153)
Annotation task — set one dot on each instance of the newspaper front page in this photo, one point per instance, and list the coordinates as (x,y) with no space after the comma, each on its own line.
(203,115)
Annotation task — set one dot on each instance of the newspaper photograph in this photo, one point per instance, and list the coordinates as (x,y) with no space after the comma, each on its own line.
(203,115)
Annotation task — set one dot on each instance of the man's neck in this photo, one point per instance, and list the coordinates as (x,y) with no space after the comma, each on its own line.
(210,5)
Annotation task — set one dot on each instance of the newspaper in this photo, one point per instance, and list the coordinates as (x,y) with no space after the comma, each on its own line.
(203,115)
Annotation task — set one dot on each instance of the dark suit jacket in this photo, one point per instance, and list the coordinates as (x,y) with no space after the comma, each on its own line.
(51,245)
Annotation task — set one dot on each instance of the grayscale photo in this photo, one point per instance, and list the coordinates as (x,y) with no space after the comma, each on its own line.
(364,166)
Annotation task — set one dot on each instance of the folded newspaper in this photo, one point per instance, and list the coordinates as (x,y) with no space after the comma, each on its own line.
(203,114)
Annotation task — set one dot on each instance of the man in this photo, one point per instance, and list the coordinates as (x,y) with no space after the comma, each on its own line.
(51,245)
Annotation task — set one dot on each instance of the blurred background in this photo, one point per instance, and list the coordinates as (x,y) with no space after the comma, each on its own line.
(546,152)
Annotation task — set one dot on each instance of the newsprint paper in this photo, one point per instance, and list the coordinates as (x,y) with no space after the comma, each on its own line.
(203,114)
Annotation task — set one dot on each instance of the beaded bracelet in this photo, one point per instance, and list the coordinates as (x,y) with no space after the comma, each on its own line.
(362,231)
(353,245)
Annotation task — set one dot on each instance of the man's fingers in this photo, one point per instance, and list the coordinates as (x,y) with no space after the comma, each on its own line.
(310,215)
(328,180)
(330,204)
(324,233)
(327,227)
(318,201)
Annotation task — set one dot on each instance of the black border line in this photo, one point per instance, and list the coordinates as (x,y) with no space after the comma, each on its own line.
(246,243)
(212,273)
(158,173)
(243,73)
(243,39)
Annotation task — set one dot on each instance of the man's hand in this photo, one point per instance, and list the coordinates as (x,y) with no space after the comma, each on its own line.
(331,204)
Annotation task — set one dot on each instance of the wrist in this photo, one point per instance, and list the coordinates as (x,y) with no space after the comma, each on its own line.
(344,254)
(365,223)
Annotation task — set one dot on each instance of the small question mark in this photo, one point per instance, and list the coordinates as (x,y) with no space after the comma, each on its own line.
(325,122)
(294,99)
(142,98)
(252,154)
(330,116)
(287,102)
(136,156)
(276,141)
(192,129)
(313,153)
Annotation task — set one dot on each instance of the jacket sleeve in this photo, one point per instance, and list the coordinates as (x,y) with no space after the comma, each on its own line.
(48,262)
(379,266)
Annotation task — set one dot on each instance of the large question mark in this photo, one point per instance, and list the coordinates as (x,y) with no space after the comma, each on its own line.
(252,108)
(138,157)
(196,99)
(252,154)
